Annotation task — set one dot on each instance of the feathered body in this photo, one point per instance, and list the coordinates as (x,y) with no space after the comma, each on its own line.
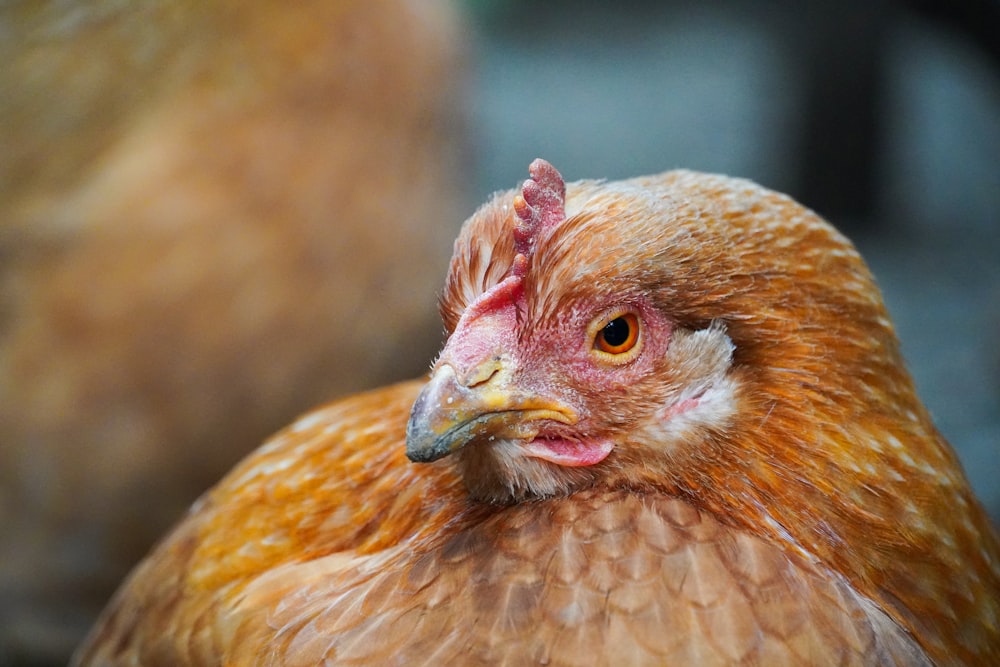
(671,425)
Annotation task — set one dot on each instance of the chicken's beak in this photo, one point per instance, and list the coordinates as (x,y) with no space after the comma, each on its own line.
(450,412)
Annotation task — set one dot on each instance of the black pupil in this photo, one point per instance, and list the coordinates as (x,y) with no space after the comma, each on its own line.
(616,332)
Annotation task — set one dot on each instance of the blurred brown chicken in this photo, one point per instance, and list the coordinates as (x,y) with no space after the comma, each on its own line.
(670,426)
(205,209)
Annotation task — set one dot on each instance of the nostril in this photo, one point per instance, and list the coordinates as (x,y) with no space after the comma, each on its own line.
(482,373)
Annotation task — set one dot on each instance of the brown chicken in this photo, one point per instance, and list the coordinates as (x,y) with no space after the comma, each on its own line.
(195,195)
(670,426)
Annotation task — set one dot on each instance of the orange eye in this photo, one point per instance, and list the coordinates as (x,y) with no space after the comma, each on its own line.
(619,335)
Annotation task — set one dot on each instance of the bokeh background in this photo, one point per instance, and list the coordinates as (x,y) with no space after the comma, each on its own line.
(215,215)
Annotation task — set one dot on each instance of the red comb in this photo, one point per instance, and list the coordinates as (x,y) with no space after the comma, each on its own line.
(540,206)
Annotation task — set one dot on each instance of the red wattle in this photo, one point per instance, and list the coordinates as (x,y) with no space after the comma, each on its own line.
(570,453)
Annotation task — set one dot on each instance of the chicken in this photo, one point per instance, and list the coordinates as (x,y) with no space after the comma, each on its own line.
(195,197)
(670,426)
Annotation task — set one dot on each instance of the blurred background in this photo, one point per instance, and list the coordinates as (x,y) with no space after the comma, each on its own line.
(215,215)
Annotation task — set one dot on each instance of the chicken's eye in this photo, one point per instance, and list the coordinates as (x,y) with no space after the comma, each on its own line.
(616,336)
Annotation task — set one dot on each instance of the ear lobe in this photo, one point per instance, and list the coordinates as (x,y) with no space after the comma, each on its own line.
(701,357)
(704,393)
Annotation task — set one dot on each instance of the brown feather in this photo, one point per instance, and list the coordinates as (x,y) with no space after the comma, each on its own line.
(267,572)
(820,520)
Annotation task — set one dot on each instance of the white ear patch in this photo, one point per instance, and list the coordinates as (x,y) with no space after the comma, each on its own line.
(706,394)
(711,408)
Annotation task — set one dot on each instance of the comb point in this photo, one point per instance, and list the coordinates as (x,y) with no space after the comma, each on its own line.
(540,206)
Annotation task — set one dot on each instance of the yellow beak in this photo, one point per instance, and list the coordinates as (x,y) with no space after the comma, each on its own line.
(450,413)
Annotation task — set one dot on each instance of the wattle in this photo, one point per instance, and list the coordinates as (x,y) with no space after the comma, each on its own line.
(570,453)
